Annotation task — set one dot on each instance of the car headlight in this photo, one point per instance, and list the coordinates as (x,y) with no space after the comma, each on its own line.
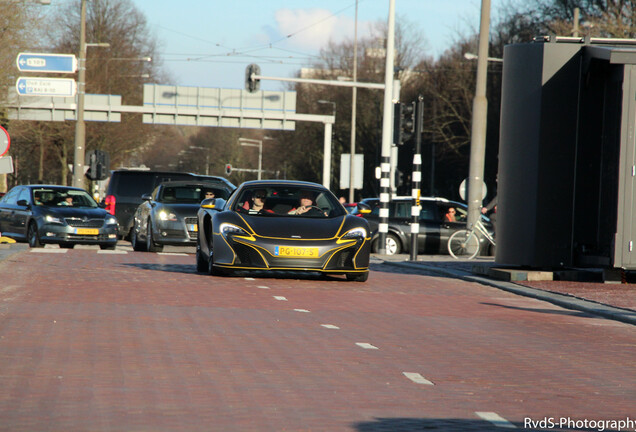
(111,220)
(355,234)
(53,219)
(228,228)
(167,216)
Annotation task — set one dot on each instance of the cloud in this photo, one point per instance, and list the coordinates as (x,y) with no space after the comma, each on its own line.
(312,29)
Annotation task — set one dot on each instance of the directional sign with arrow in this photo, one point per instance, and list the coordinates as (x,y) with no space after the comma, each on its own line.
(50,63)
(46,87)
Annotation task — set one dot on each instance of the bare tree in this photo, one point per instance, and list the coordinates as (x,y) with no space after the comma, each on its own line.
(120,69)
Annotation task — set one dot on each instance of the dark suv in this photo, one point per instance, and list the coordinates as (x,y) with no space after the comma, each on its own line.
(127,186)
(434,229)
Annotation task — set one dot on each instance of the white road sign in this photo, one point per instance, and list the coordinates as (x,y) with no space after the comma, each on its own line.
(26,86)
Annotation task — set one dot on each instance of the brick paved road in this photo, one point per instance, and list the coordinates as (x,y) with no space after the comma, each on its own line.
(141,342)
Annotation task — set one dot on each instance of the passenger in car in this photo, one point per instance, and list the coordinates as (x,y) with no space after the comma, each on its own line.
(257,204)
(450,215)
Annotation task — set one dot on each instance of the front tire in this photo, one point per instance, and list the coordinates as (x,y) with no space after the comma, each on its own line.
(392,245)
(33,236)
(202,264)
(463,244)
(213,270)
(151,246)
(134,240)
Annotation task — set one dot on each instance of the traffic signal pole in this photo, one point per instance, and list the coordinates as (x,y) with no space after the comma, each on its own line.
(417,177)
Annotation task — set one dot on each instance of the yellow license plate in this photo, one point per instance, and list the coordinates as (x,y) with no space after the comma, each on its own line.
(296,252)
(87,231)
(193,227)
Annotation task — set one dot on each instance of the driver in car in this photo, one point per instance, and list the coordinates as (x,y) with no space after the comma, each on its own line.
(307,205)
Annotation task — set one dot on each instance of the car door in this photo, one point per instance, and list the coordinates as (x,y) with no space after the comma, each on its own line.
(7,208)
(429,239)
(13,214)
(23,212)
(400,221)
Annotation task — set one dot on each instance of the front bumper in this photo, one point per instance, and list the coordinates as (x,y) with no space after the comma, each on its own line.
(60,234)
(258,253)
(176,233)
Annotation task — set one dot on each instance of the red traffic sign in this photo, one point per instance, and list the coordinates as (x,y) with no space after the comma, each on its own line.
(5,141)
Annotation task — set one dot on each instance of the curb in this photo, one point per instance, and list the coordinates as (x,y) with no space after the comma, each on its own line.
(8,249)
(626,316)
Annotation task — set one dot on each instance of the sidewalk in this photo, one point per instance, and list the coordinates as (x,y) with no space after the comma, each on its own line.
(615,301)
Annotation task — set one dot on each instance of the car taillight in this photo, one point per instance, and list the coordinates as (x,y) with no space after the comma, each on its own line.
(110,204)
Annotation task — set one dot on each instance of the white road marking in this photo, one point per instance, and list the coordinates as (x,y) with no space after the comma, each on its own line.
(366,345)
(49,250)
(417,378)
(116,252)
(262,287)
(172,253)
(281,298)
(247,278)
(330,326)
(495,419)
(302,310)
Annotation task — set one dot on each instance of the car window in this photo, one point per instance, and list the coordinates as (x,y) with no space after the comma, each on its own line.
(60,197)
(429,211)
(12,196)
(24,195)
(286,201)
(134,184)
(183,194)
(402,209)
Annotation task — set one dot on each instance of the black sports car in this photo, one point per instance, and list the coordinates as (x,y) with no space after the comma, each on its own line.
(64,215)
(282,225)
(168,216)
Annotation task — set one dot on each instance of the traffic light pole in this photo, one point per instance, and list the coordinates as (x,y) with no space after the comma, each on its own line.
(417,177)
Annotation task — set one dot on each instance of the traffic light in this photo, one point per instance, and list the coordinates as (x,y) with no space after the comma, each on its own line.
(252,84)
(98,162)
(228,169)
(403,122)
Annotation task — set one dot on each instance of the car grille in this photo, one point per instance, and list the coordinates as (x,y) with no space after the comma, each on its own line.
(85,223)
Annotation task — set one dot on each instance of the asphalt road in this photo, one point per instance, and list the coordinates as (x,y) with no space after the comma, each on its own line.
(122,341)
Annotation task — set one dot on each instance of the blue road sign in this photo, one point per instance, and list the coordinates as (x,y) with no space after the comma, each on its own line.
(46,86)
(51,63)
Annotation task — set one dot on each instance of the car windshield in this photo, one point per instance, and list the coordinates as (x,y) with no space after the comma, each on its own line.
(292,201)
(188,194)
(58,197)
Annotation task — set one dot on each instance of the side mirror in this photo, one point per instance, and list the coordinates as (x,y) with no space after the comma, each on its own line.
(213,204)
(23,203)
(364,208)
(146,197)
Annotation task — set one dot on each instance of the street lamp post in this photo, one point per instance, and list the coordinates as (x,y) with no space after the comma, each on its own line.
(207,157)
(478,131)
(140,59)
(249,142)
(327,144)
(80,127)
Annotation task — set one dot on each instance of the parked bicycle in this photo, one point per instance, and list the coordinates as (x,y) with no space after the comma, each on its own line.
(466,244)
